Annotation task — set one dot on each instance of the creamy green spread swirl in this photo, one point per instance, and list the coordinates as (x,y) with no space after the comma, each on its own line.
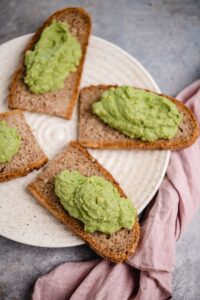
(55,56)
(94,201)
(9,142)
(138,114)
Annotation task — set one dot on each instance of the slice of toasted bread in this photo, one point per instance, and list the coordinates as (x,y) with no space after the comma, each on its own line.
(94,133)
(59,103)
(116,247)
(29,157)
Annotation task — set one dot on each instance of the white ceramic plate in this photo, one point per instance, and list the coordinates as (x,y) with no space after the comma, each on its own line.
(139,172)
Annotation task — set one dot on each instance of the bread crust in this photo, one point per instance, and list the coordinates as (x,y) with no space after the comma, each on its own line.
(177,143)
(93,240)
(23,172)
(19,73)
(31,166)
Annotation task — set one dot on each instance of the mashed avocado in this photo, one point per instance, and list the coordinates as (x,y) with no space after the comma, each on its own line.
(94,201)
(138,114)
(55,56)
(9,142)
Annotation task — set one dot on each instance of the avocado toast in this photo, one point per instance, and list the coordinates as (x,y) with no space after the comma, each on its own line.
(59,102)
(116,247)
(94,133)
(29,157)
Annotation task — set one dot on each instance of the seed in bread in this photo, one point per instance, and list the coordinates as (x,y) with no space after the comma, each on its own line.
(116,247)
(29,157)
(94,133)
(61,102)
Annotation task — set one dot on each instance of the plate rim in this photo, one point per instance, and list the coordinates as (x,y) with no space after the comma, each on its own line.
(168,152)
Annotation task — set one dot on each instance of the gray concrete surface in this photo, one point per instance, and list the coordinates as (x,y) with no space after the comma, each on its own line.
(164,36)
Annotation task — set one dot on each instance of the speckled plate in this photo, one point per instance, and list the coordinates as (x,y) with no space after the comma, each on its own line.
(139,172)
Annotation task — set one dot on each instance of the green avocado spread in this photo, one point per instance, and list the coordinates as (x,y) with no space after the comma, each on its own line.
(9,142)
(54,57)
(94,201)
(138,114)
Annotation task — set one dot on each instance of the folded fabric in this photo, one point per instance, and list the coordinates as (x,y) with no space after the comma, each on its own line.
(147,275)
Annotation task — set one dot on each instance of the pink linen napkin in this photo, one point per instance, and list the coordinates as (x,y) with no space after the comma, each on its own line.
(147,275)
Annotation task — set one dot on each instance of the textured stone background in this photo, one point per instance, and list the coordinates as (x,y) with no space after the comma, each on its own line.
(164,36)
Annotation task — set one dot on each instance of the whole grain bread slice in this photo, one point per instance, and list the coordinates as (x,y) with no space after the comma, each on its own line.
(94,133)
(59,103)
(29,157)
(116,247)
